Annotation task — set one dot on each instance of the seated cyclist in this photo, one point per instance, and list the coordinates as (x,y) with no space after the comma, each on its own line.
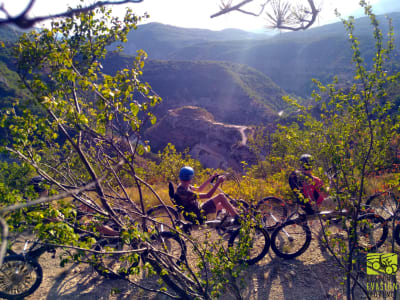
(187,196)
(308,188)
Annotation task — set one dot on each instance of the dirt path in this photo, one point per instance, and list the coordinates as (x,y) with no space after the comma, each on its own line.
(241,129)
(272,278)
(312,276)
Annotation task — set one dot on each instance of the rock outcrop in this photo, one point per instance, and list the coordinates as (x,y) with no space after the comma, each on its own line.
(214,144)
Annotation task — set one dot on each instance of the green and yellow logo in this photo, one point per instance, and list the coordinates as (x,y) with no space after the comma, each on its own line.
(381,263)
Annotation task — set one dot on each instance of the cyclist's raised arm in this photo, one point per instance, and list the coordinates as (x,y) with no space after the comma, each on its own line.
(213,189)
(205,183)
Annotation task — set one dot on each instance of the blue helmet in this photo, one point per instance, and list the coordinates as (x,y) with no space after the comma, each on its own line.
(186,173)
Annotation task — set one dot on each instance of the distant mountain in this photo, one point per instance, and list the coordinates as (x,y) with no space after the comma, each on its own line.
(160,40)
(290,59)
(233,93)
(386,6)
(9,33)
(293,59)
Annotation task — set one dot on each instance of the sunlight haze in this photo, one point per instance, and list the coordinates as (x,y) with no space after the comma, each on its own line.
(194,13)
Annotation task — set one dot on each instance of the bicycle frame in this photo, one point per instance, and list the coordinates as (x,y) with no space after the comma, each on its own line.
(31,253)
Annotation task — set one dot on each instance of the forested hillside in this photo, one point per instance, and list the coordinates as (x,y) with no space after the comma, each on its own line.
(97,147)
(290,59)
(161,41)
(232,92)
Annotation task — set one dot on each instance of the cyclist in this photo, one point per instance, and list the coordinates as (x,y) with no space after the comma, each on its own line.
(308,188)
(187,197)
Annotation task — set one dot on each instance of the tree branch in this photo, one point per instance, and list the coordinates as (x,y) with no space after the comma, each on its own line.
(283,14)
(24,21)
(49,199)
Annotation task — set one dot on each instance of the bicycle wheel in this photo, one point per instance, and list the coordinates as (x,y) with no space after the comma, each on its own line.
(257,247)
(372,231)
(163,217)
(291,239)
(273,211)
(118,265)
(396,234)
(19,277)
(169,246)
(383,204)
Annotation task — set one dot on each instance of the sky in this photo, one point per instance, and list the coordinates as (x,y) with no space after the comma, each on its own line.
(193,13)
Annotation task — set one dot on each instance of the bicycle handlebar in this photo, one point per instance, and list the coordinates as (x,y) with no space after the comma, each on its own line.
(219,189)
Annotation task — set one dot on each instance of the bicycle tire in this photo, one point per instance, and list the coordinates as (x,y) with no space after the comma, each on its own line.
(170,243)
(273,211)
(291,239)
(240,203)
(261,248)
(396,234)
(162,216)
(11,252)
(383,204)
(372,233)
(121,265)
(15,273)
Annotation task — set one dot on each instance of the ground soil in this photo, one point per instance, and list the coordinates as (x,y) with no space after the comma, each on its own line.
(313,275)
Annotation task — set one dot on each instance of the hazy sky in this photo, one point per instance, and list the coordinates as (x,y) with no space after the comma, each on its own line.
(190,13)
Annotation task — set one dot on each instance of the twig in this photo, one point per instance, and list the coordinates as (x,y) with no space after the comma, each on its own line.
(47,199)
(24,22)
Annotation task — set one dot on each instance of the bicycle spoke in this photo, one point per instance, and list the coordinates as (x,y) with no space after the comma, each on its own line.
(291,239)
(254,242)
(383,204)
(115,265)
(273,211)
(19,278)
(169,246)
(372,232)
(163,217)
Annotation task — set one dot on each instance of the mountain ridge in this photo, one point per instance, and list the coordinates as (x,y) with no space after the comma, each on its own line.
(290,59)
(233,93)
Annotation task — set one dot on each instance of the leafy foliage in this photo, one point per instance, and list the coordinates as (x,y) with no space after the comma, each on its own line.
(350,133)
(80,130)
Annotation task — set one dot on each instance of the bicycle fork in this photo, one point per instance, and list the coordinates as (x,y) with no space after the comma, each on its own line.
(290,238)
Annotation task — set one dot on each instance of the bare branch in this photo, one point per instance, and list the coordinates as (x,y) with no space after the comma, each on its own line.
(49,199)
(227,7)
(24,21)
(282,14)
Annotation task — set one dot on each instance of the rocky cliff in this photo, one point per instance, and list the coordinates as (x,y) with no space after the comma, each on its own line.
(214,144)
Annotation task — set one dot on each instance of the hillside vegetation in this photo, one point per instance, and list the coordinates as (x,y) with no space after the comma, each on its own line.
(233,93)
(291,60)
(160,41)
(84,132)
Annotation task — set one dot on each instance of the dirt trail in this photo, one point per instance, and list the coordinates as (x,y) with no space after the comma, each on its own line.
(241,128)
(312,276)
(272,278)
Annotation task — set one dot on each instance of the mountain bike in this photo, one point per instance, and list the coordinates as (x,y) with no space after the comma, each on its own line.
(293,237)
(386,205)
(168,217)
(120,259)
(21,274)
